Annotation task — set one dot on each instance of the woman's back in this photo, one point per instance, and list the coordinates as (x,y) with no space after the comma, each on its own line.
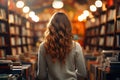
(59,58)
(58,71)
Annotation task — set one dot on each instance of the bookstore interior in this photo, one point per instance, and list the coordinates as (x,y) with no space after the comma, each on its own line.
(95,25)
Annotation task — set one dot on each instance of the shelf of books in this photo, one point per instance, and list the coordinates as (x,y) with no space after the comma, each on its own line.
(117,36)
(21,33)
(92,32)
(15,33)
(29,35)
(103,30)
(3,28)
(39,29)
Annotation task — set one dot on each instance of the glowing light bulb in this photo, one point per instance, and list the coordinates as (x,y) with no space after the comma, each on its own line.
(31,13)
(98,3)
(20,4)
(93,8)
(26,9)
(86,12)
(57,4)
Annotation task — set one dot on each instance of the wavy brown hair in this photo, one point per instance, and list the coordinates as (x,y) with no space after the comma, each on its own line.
(58,38)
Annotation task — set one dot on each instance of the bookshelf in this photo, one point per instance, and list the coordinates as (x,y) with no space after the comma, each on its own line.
(21,33)
(29,35)
(15,22)
(104,28)
(4,32)
(117,34)
(16,32)
(92,32)
(39,29)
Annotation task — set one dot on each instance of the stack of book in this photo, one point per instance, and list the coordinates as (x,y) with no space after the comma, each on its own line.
(7,77)
(5,66)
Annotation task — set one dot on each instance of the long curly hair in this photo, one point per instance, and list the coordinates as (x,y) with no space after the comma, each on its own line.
(58,37)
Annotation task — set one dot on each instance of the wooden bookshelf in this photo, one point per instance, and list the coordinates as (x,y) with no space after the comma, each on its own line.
(21,33)
(105,28)
(16,32)
(39,29)
(4,32)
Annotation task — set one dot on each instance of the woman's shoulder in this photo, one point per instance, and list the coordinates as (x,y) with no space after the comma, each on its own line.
(42,45)
(75,43)
(77,46)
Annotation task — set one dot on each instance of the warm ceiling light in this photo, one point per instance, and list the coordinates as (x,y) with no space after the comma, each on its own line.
(20,4)
(81,17)
(93,8)
(26,9)
(57,4)
(86,12)
(31,13)
(98,3)
(35,18)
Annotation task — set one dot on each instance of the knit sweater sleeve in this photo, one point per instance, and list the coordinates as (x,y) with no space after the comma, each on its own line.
(42,66)
(80,61)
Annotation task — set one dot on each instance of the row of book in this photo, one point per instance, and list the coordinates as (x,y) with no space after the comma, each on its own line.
(2,41)
(94,32)
(10,70)
(14,19)
(14,30)
(102,30)
(3,14)
(110,28)
(18,50)
(15,41)
(118,13)
(103,18)
(118,25)
(111,14)
(3,28)
(2,53)
(109,40)
(117,40)
(101,41)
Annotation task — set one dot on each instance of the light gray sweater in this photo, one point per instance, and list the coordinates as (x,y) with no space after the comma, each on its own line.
(73,67)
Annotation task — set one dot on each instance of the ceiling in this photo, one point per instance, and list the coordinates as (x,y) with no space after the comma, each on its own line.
(43,8)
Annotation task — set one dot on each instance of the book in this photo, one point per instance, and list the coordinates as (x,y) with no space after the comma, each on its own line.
(5,66)
(14,51)
(2,53)
(19,50)
(18,41)
(102,30)
(17,30)
(13,41)
(118,25)
(27,24)
(117,40)
(110,28)
(23,40)
(25,49)
(2,41)
(109,40)
(12,29)
(11,18)
(118,13)
(111,14)
(101,41)
(3,12)
(7,77)
(103,18)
